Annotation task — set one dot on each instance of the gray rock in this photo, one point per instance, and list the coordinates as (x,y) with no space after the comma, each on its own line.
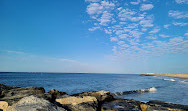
(101,96)
(121,105)
(56,94)
(13,95)
(4,88)
(85,103)
(33,103)
(157,103)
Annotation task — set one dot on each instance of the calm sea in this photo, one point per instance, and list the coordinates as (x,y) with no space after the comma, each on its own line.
(163,88)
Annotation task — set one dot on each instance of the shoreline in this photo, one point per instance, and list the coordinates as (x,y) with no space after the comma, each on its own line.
(181,76)
(14,98)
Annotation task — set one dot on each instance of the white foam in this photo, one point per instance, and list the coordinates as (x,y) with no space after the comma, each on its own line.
(169,79)
(152,89)
(186,82)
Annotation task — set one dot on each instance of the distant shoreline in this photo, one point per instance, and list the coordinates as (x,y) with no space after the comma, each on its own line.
(181,76)
(70,73)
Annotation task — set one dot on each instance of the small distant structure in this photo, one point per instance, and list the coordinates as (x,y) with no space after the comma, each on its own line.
(150,73)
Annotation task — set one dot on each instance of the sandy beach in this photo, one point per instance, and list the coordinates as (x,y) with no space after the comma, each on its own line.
(182,76)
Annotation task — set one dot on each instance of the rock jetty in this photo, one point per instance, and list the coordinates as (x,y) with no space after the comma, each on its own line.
(36,99)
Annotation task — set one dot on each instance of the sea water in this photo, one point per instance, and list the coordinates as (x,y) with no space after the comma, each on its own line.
(127,86)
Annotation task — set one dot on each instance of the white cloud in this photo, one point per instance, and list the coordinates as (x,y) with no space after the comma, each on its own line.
(164,36)
(133,29)
(177,14)
(124,45)
(108,31)
(135,2)
(121,42)
(113,39)
(98,8)
(146,7)
(126,14)
(132,26)
(182,1)
(123,36)
(166,26)
(144,29)
(93,28)
(107,4)
(147,21)
(105,18)
(92,0)
(94,8)
(68,60)
(15,52)
(175,40)
(180,23)
(136,33)
(152,37)
(155,30)
(186,34)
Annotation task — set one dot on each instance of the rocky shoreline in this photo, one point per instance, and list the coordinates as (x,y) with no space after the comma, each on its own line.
(36,99)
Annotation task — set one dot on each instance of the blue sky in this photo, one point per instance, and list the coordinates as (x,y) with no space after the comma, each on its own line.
(111,36)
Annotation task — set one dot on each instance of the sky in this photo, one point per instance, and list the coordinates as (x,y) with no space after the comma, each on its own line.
(94,36)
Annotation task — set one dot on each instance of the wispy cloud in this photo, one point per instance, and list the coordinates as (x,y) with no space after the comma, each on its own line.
(166,26)
(177,14)
(163,35)
(26,62)
(113,39)
(93,28)
(186,34)
(155,30)
(132,30)
(182,1)
(14,52)
(180,23)
(135,2)
(146,7)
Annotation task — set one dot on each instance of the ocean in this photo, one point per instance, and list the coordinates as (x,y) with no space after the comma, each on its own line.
(127,86)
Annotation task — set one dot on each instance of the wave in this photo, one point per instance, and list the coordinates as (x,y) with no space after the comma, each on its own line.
(186,82)
(152,89)
(169,79)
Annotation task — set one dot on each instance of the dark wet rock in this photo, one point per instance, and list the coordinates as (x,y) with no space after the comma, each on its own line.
(121,105)
(33,103)
(13,95)
(56,94)
(72,103)
(156,103)
(4,88)
(100,95)
(155,107)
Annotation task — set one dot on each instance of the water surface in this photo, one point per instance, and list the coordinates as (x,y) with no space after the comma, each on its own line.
(168,89)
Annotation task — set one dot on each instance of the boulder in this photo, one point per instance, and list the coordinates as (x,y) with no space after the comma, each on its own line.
(3,105)
(56,93)
(4,88)
(169,106)
(146,107)
(85,103)
(33,103)
(13,95)
(101,96)
(121,105)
